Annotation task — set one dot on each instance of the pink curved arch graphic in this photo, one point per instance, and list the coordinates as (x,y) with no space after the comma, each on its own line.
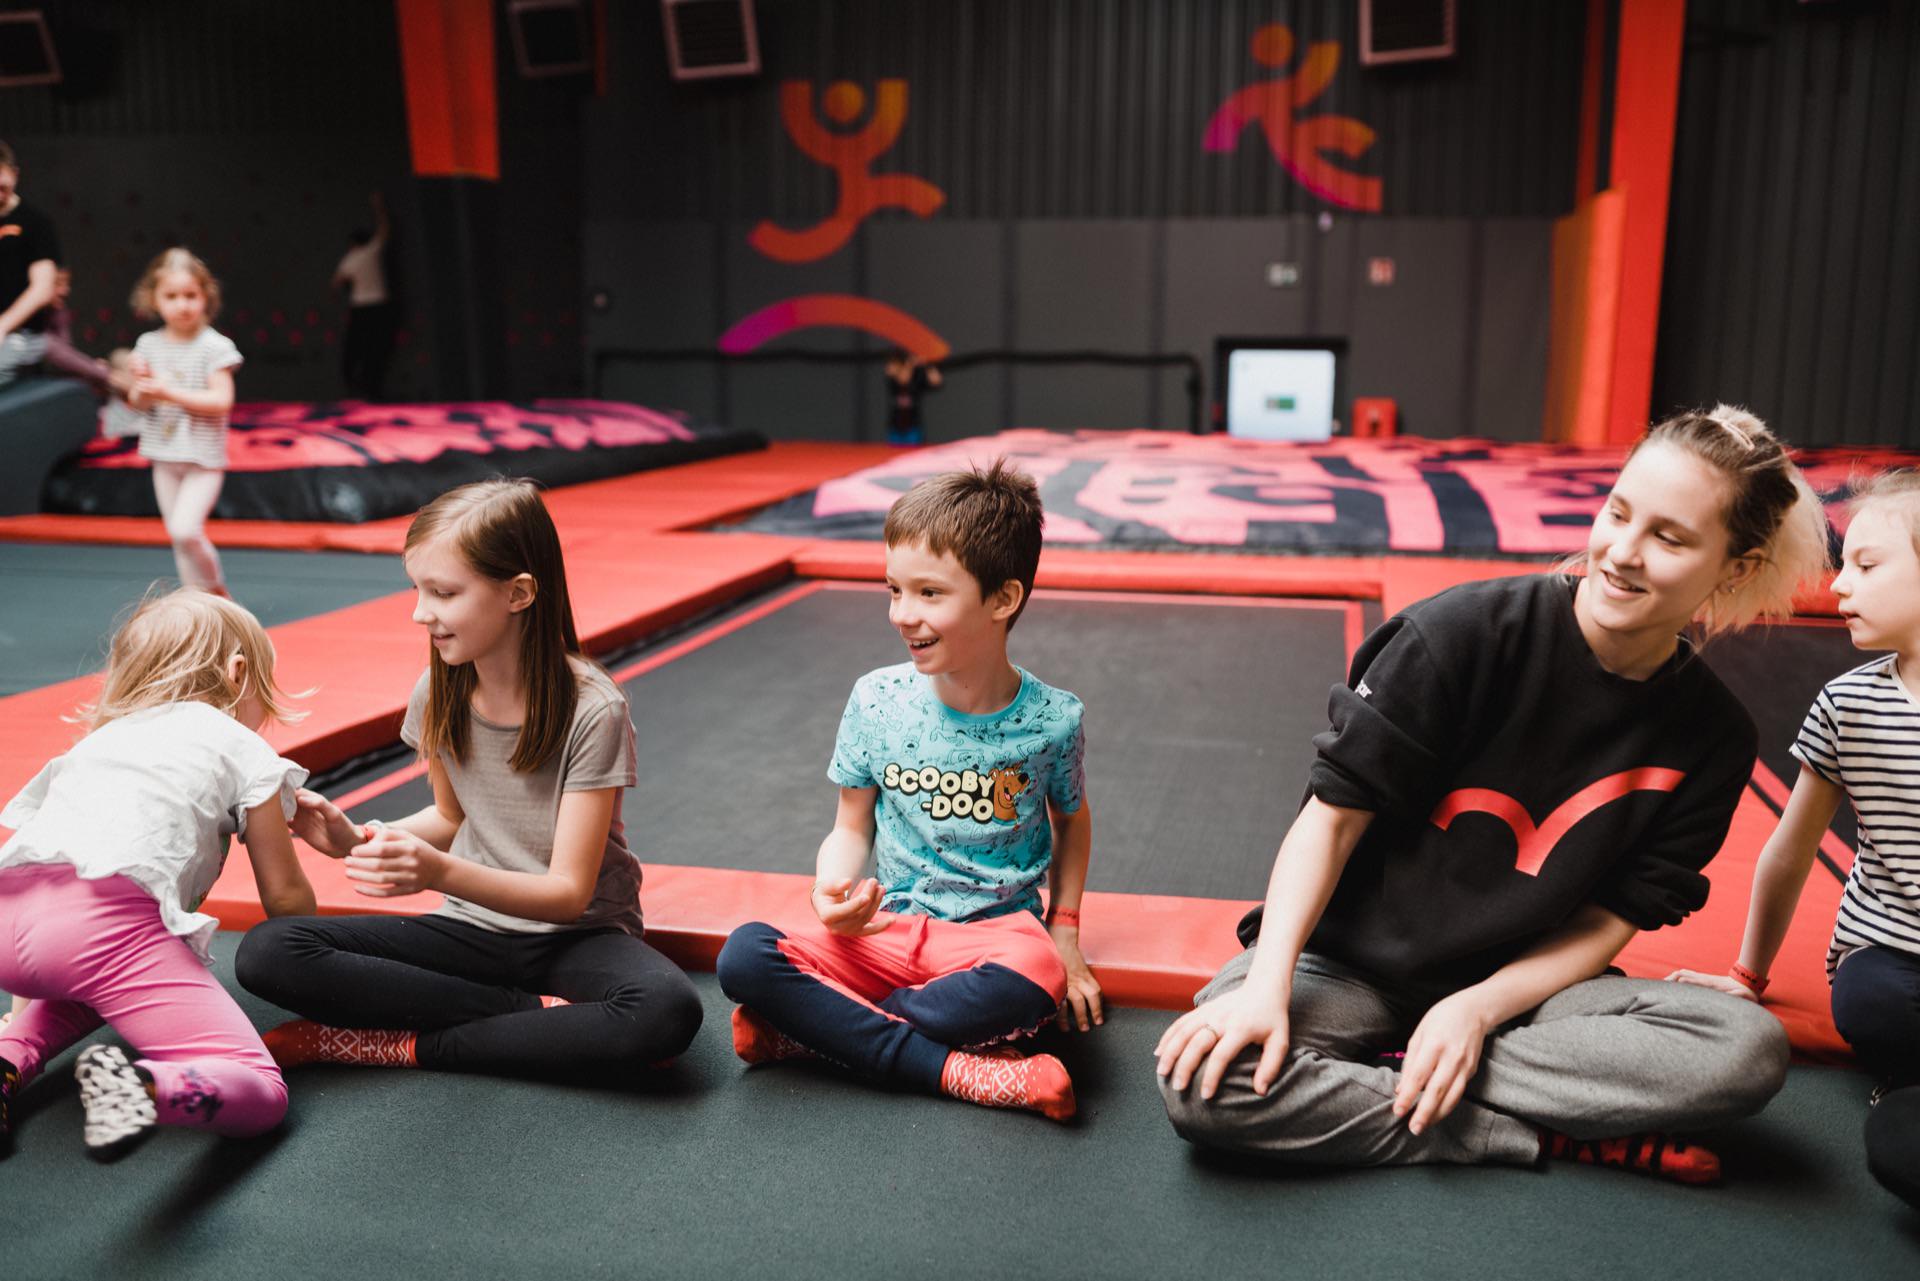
(833,311)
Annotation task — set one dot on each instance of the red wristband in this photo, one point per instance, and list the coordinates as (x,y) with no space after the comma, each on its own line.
(1754,983)
(1064,916)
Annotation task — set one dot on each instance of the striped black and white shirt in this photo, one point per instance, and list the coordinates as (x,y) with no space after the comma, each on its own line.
(169,433)
(1863,734)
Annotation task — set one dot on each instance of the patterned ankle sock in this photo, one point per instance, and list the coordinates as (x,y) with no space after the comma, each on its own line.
(302,1041)
(9,1083)
(1038,1083)
(551,1002)
(757,1041)
(1660,1155)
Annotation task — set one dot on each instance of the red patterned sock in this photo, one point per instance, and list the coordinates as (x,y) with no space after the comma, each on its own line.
(1038,1083)
(757,1041)
(549,1002)
(302,1041)
(1653,1153)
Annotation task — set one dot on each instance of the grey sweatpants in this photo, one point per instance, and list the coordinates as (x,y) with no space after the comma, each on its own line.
(1606,1057)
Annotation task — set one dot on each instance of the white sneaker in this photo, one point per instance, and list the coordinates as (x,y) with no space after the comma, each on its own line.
(114,1096)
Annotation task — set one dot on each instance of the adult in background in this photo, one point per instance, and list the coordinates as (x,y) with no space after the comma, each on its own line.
(909,379)
(29,258)
(368,346)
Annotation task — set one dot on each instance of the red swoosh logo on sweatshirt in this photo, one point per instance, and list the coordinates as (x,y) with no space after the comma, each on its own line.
(1537,843)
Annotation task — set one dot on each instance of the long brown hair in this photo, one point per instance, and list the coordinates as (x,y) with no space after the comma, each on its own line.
(503,530)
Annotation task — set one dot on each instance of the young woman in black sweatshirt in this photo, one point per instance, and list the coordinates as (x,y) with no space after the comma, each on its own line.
(1519,775)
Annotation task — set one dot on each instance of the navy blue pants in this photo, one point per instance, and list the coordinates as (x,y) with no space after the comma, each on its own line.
(891,1006)
(1876,1006)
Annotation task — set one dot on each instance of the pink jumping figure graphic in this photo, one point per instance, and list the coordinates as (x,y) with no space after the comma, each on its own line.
(1299,145)
(849,155)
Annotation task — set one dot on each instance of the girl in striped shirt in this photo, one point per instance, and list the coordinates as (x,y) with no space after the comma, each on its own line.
(184,388)
(1861,743)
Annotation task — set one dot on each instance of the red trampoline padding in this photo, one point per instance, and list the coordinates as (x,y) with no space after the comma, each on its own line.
(693,494)
(1709,940)
(1395,581)
(1157,951)
(1343,578)
(1146,950)
(361,662)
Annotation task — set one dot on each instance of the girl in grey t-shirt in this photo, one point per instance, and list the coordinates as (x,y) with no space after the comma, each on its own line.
(534,965)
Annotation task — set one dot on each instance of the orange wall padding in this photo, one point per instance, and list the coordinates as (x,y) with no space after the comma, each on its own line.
(1592,67)
(1587,262)
(446,57)
(1646,102)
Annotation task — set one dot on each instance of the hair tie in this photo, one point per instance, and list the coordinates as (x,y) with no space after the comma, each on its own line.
(1730,420)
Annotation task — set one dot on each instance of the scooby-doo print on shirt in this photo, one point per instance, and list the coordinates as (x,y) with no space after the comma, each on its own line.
(961,829)
(987,797)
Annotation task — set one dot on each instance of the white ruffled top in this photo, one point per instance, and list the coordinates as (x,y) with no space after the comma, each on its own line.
(153,797)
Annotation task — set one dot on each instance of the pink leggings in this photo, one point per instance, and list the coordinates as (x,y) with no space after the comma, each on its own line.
(93,951)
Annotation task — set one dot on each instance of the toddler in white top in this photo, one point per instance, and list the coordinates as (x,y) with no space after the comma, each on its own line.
(115,845)
(183,389)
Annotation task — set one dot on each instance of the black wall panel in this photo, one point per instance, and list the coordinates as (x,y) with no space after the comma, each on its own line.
(1793,259)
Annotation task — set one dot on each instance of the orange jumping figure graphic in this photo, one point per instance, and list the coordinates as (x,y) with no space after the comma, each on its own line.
(849,155)
(1299,145)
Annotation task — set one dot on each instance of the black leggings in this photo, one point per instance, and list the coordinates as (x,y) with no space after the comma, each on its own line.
(473,994)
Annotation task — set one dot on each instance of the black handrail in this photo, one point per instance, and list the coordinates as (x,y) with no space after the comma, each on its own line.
(960,360)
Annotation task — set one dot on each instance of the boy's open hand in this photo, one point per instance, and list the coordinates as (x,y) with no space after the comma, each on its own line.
(320,823)
(1082,1009)
(846,908)
(391,862)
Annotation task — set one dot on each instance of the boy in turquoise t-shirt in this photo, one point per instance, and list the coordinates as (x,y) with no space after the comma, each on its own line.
(961,775)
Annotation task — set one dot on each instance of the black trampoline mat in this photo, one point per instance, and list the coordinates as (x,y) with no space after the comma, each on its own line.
(1777,671)
(1200,715)
(712,1169)
(67,598)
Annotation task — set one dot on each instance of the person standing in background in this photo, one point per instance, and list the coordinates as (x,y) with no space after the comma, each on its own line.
(368,345)
(29,259)
(909,379)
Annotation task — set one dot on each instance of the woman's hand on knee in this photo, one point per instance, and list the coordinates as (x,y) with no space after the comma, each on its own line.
(1718,982)
(1208,1039)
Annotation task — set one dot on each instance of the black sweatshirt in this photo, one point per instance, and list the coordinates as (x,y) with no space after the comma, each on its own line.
(1475,715)
(26,237)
